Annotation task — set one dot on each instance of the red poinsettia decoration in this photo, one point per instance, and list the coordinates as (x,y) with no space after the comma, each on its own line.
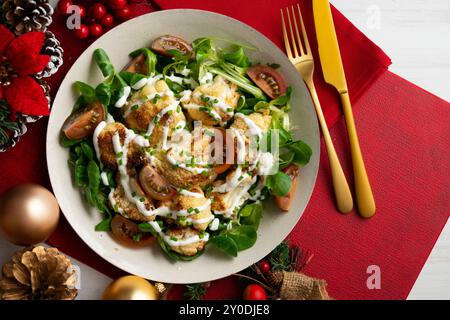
(19,59)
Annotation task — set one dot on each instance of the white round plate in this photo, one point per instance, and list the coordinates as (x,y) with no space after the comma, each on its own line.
(151,263)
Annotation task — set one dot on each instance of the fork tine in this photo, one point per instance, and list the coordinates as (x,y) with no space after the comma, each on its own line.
(286,37)
(299,39)
(292,32)
(305,35)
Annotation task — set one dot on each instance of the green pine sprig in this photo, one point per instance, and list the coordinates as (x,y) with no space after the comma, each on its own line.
(6,124)
(195,291)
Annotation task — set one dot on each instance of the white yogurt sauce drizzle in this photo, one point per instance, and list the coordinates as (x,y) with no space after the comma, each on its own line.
(123,99)
(113,202)
(158,117)
(214,226)
(97,131)
(104,177)
(231,183)
(178,242)
(239,198)
(191,194)
(253,128)
(138,85)
(240,146)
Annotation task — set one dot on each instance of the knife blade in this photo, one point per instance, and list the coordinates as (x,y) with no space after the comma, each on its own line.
(333,72)
(330,55)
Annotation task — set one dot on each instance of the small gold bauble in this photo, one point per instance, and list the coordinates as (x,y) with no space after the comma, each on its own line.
(130,288)
(29,214)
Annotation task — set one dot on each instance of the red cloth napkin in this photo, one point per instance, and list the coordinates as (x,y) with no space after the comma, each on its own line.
(407,162)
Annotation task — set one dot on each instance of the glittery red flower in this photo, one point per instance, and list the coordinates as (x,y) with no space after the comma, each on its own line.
(19,59)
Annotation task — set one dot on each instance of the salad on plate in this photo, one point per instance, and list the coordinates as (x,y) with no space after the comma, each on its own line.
(183,145)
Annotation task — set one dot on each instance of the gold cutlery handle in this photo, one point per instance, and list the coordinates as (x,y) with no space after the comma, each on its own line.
(364,195)
(342,192)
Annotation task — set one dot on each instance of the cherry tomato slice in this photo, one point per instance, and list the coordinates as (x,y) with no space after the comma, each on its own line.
(223,143)
(163,45)
(127,233)
(284,203)
(268,80)
(154,184)
(137,65)
(82,124)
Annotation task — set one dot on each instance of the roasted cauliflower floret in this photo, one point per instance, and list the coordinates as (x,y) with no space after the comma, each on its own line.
(228,201)
(213,102)
(127,208)
(183,234)
(189,202)
(260,119)
(105,144)
(145,104)
(181,175)
(172,121)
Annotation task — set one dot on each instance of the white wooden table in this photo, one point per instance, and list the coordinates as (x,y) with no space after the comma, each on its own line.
(415,35)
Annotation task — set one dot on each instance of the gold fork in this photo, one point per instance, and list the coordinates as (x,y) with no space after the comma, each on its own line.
(303,61)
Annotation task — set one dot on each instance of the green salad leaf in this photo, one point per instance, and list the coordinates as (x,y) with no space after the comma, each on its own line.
(279,184)
(251,214)
(236,55)
(226,244)
(86,91)
(103,62)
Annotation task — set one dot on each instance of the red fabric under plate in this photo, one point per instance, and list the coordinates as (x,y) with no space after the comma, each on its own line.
(407,162)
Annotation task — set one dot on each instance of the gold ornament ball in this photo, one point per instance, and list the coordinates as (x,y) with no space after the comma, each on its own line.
(130,288)
(29,214)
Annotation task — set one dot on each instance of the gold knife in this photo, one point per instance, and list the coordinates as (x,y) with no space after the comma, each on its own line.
(333,72)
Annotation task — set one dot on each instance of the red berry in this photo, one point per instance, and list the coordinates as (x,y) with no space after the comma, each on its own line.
(123,13)
(96,30)
(82,11)
(255,292)
(117,4)
(82,32)
(107,20)
(264,266)
(64,5)
(98,10)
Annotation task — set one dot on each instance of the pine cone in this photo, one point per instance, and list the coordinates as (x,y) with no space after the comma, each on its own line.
(51,47)
(38,274)
(10,135)
(10,131)
(27,15)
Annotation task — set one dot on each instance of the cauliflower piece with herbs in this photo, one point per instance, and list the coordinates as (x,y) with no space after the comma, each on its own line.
(213,102)
(105,145)
(188,202)
(183,234)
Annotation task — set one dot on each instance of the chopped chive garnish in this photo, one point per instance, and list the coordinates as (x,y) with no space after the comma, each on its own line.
(156,98)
